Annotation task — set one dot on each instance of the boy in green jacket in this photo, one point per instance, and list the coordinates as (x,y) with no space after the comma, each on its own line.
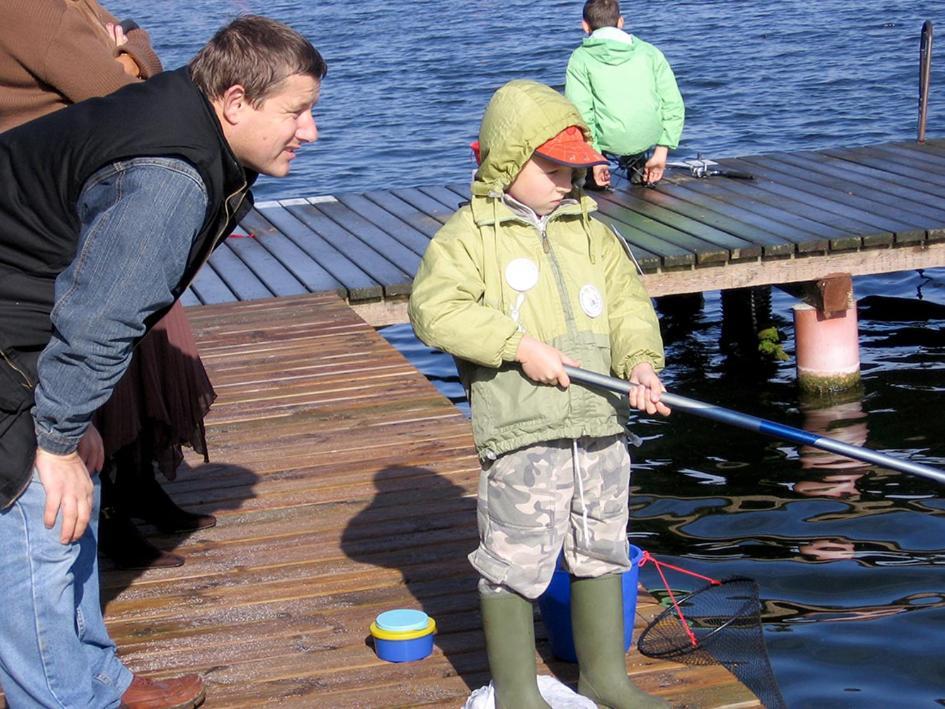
(518,283)
(627,94)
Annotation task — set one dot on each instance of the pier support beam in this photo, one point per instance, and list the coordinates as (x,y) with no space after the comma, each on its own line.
(826,336)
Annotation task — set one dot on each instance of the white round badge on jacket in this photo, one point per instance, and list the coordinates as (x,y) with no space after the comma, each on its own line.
(521,274)
(591,301)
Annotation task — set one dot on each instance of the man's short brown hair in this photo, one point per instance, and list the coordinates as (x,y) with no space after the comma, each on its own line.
(258,54)
(601,13)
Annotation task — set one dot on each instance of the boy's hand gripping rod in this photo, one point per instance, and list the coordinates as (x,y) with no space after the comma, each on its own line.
(759,425)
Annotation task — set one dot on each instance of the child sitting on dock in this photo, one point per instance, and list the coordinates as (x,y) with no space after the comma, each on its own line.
(627,94)
(518,283)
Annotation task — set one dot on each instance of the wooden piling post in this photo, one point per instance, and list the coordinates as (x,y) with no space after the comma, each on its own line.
(925,75)
(826,337)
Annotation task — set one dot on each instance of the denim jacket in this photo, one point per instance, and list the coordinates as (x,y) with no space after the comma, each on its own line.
(139,219)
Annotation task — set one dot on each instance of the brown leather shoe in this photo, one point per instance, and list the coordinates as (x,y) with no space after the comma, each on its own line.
(183,692)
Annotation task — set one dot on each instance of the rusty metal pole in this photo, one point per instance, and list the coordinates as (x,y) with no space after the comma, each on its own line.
(925,75)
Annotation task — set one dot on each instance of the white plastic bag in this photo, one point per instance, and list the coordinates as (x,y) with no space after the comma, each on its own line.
(558,695)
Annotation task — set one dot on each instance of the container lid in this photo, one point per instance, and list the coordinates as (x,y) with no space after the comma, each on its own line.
(402,620)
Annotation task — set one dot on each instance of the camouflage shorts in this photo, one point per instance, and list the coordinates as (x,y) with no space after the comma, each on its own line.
(530,507)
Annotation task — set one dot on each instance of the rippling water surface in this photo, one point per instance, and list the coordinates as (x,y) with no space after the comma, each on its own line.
(850,558)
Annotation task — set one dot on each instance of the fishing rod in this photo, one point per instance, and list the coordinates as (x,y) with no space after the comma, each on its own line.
(700,167)
(760,425)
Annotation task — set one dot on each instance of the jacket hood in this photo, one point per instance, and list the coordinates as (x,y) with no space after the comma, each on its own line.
(610,45)
(520,117)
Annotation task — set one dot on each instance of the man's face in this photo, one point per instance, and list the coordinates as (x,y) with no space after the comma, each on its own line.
(269,135)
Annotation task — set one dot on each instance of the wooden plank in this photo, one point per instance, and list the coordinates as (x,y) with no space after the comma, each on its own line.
(373,237)
(645,234)
(738,248)
(188,298)
(805,240)
(392,279)
(209,288)
(412,238)
(775,213)
(418,219)
(792,270)
(881,186)
(875,231)
(842,234)
(423,202)
(913,153)
(274,276)
(894,163)
(778,248)
(445,196)
(303,268)
(237,276)
(790,174)
(330,259)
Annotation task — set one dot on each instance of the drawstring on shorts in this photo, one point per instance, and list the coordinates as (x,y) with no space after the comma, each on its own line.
(580,487)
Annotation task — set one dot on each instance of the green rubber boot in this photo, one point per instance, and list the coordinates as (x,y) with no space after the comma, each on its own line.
(597,620)
(509,623)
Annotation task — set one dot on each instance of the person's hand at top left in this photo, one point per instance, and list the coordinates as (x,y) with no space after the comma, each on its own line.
(116,33)
(646,396)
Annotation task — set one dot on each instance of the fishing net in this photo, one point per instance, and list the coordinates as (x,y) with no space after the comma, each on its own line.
(719,623)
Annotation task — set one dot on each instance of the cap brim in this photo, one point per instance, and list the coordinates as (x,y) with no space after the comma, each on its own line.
(585,156)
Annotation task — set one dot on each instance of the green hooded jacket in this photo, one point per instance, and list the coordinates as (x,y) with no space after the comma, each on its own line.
(626,92)
(577,289)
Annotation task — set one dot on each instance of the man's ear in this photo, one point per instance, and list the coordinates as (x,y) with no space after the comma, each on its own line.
(233,104)
(620,22)
(586,27)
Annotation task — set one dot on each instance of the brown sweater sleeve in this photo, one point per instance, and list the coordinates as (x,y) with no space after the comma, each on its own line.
(56,52)
(78,58)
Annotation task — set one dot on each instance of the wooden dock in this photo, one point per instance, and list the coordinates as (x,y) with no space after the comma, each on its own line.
(344,485)
(873,209)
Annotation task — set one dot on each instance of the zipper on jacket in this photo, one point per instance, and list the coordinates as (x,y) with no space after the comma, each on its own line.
(29,382)
(559,279)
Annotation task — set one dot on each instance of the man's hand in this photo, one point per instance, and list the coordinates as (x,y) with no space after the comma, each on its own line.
(646,397)
(601,175)
(656,165)
(543,363)
(68,485)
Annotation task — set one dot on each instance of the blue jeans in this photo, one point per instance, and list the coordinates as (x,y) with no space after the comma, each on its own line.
(54,649)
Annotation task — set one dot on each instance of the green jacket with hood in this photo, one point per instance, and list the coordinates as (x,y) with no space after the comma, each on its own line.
(586,299)
(626,92)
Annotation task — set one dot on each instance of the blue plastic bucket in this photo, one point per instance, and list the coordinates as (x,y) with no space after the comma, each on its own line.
(555,607)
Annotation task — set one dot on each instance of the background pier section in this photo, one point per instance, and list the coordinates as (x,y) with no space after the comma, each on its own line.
(872,209)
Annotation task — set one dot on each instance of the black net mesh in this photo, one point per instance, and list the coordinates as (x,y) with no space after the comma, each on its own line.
(725,620)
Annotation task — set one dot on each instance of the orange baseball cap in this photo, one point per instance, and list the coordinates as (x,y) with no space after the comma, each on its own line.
(570,148)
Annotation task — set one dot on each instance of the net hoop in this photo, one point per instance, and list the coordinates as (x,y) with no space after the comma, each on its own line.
(686,646)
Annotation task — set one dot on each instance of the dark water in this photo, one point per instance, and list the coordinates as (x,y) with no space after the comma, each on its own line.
(850,559)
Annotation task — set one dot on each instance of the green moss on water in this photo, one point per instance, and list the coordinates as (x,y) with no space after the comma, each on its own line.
(769,344)
(822,385)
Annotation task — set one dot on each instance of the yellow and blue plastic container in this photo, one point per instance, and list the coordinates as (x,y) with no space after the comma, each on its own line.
(403,635)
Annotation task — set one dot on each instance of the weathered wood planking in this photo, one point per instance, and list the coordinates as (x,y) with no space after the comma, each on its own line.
(344,485)
(862,210)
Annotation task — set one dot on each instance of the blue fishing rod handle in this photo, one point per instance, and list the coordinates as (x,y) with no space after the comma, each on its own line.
(760,425)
